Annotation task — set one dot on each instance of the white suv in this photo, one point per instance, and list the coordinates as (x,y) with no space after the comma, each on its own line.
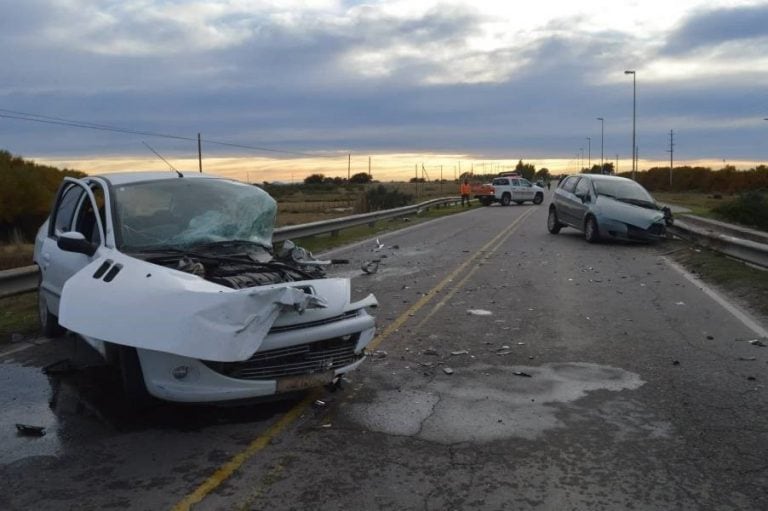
(174,278)
(516,189)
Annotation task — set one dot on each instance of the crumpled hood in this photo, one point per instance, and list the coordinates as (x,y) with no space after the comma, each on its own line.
(628,213)
(153,307)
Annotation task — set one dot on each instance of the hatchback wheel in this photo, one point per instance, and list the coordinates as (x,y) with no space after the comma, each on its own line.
(538,198)
(553,224)
(591,232)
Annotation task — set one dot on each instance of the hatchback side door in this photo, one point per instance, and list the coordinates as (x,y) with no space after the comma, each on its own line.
(76,209)
(565,200)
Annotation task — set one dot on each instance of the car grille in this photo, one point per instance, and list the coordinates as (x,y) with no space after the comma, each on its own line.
(654,231)
(334,319)
(314,357)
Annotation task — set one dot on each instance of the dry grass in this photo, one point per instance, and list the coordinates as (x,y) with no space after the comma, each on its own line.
(13,255)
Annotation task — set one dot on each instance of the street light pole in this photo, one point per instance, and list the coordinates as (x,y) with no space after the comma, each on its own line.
(602,137)
(589,153)
(634,117)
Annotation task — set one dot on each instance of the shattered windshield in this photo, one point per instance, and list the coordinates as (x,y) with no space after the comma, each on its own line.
(622,190)
(181,213)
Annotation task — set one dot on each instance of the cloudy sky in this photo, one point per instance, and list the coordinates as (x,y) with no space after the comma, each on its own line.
(405,82)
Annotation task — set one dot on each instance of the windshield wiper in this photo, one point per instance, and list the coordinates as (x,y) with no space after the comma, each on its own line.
(639,202)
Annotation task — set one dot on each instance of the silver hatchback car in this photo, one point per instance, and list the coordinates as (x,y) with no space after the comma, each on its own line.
(607,207)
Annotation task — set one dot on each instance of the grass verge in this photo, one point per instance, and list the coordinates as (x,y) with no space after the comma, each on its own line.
(18,315)
(744,283)
(700,204)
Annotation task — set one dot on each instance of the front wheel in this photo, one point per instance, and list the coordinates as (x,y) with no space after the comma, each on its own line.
(132,377)
(505,199)
(591,232)
(538,198)
(553,224)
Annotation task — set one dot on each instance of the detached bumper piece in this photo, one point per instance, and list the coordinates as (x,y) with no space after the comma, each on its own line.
(316,357)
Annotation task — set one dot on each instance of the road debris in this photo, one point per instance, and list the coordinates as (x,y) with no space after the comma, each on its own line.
(521,373)
(320,404)
(675,362)
(747,359)
(430,351)
(751,378)
(379,245)
(60,367)
(370,267)
(757,342)
(501,353)
(380,354)
(505,347)
(479,312)
(459,352)
(27,430)
(447,370)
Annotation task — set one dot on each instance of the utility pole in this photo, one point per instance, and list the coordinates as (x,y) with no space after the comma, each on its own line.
(671,155)
(589,153)
(416,181)
(369,166)
(602,139)
(616,170)
(349,166)
(441,179)
(199,154)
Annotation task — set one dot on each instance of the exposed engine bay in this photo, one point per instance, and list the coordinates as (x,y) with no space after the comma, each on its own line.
(245,268)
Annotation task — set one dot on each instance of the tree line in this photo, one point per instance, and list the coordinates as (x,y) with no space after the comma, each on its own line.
(27,191)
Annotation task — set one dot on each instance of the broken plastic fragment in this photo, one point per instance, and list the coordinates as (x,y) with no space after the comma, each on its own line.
(447,370)
(521,373)
(479,312)
(27,430)
(460,352)
(370,267)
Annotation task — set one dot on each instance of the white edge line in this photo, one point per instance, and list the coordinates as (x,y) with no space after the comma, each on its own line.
(739,314)
(24,346)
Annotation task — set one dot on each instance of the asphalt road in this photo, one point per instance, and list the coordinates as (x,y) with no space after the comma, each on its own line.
(582,377)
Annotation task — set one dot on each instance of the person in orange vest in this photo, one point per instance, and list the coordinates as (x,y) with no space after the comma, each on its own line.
(464,190)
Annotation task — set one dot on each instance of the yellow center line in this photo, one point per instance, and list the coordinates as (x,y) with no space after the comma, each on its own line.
(439,305)
(260,442)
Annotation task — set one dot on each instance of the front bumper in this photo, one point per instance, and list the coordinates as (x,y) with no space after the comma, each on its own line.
(613,229)
(289,359)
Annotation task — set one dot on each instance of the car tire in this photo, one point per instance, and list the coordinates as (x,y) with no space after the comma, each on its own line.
(49,323)
(553,223)
(506,199)
(485,201)
(538,198)
(591,230)
(132,377)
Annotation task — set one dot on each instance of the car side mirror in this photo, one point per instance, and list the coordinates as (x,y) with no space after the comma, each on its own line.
(74,241)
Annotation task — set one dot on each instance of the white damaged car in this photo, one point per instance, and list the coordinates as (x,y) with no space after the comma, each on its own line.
(174,279)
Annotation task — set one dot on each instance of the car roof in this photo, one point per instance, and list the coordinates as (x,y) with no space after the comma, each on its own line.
(604,177)
(122,178)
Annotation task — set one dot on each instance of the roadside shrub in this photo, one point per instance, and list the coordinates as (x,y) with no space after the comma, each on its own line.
(750,208)
(381,197)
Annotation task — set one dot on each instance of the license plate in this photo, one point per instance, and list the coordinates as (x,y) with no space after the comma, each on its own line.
(305,381)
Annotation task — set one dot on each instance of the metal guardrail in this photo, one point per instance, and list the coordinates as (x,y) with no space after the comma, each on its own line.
(24,279)
(746,250)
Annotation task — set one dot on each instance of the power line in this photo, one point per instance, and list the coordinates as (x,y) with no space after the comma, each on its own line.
(59,121)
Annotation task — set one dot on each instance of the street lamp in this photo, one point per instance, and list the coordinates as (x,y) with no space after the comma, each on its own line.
(589,153)
(581,159)
(602,132)
(634,116)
